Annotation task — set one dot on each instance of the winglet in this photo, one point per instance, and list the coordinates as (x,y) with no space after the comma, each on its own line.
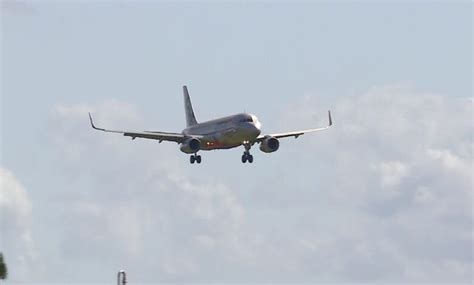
(92,124)
(330,119)
(90,119)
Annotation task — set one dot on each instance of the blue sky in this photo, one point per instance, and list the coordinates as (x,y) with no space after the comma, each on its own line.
(397,75)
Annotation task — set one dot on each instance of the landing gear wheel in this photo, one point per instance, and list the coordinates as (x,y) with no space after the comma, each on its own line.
(247,156)
(250,158)
(195,158)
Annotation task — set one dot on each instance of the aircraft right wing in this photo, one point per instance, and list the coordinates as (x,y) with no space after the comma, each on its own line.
(159,136)
(296,134)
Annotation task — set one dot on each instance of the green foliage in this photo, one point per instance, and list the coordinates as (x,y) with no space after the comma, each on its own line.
(3,268)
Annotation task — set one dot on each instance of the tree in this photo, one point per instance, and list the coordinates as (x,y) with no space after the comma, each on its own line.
(3,268)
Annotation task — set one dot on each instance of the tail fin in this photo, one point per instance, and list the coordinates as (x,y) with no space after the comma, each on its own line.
(188,108)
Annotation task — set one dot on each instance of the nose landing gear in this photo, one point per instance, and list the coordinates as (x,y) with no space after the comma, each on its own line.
(247,156)
(195,158)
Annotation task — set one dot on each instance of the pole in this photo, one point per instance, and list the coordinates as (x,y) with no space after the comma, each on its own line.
(121,278)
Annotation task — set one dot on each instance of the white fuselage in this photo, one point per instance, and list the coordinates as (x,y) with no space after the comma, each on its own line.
(227,132)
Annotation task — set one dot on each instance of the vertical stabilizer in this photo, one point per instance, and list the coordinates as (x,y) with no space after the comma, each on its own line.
(188,108)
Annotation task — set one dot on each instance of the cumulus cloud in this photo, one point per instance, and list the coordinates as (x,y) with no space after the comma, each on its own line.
(386,195)
(16,240)
(128,204)
(391,172)
(401,162)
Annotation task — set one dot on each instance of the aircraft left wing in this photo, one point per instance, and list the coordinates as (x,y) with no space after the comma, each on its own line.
(296,134)
(159,136)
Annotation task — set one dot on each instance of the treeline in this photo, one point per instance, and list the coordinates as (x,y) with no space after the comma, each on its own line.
(3,268)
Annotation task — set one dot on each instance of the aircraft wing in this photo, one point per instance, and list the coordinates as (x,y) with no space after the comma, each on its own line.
(159,136)
(296,134)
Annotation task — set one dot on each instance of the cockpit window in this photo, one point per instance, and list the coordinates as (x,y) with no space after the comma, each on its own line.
(246,120)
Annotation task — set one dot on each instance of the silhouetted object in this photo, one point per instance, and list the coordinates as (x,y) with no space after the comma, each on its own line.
(3,268)
(121,278)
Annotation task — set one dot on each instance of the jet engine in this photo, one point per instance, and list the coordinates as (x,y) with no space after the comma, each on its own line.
(269,144)
(191,145)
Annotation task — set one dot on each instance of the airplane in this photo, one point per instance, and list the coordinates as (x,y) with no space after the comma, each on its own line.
(242,129)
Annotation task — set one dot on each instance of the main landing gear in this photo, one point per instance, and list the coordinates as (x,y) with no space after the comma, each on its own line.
(247,156)
(195,158)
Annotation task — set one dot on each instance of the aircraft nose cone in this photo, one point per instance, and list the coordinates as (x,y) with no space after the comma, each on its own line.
(252,130)
(258,127)
(256,130)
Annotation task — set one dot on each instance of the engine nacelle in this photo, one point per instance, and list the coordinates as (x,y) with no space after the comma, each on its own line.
(269,144)
(191,145)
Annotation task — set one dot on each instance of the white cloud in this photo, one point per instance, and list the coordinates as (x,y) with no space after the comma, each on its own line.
(392,172)
(16,240)
(401,164)
(130,204)
(450,161)
(386,195)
